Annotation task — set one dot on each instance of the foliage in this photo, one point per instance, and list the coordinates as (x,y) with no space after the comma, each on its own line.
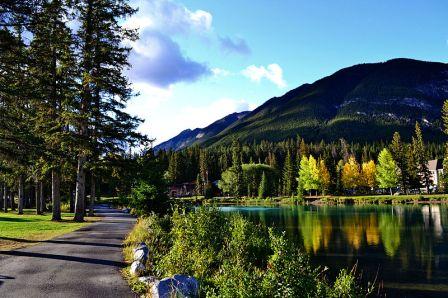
(350,173)
(232,257)
(288,175)
(387,175)
(251,175)
(368,174)
(263,189)
(309,175)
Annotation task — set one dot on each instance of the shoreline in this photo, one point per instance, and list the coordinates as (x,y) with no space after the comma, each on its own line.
(321,200)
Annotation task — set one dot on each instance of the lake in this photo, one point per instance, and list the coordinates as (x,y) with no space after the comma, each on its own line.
(407,246)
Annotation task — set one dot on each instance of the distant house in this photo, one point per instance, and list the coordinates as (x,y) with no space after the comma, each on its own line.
(435,166)
(186,189)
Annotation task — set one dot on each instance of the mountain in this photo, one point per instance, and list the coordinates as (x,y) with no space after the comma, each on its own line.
(365,102)
(361,103)
(190,137)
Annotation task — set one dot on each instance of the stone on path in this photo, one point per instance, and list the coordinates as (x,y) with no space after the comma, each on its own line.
(177,286)
(141,253)
(137,268)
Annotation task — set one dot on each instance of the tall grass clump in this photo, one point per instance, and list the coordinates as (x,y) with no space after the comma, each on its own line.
(233,257)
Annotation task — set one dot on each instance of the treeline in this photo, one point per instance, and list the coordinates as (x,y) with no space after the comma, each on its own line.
(295,167)
(62,98)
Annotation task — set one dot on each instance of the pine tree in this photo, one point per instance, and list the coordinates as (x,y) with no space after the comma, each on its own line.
(18,144)
(53,69)
(398,154)
(237,168)
(104,128)
(445,158)
(199,185)
(203,167)
(387,175)
(421,157)
(288,175)
(263,189)
(412,179)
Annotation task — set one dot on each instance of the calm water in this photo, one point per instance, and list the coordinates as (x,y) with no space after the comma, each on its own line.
(406,245)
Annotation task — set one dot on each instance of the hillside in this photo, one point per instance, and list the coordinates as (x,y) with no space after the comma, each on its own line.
(364,102)
(190,137)
(361,103)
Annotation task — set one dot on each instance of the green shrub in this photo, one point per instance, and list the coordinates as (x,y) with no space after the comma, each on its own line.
(146,198)
(233,257)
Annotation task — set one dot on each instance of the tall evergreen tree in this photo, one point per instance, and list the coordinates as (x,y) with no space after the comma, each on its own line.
(288,175)
(103,127)
(421,157)
(398,154)
(237,168)
(54,72)
(263,189)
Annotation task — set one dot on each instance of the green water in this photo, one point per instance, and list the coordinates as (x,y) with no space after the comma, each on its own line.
(405,246)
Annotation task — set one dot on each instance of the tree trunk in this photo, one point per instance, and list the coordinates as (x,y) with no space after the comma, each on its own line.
(37,198)
(11,200)
(2,197)
(5,198)
(390,188)
(21,194)
(92,193)
(41,197)
(72,201)
(80,189)
(55,195)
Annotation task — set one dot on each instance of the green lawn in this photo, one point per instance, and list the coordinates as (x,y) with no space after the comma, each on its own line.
(22,230)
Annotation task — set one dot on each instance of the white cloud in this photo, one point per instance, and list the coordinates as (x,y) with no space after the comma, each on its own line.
(202,116)
(169,17)
(219,72)
(196,116)
(149,99)
(156,57)
(273,72)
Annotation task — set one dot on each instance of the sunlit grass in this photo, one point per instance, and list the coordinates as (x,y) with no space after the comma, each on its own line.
(23,230)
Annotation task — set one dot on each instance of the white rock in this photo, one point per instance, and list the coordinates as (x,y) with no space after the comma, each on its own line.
(149,280)
(141,253)
(177,286)
(137,268)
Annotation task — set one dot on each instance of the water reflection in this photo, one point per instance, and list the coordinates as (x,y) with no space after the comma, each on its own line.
(408,244)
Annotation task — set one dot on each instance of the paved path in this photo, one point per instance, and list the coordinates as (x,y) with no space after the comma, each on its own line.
(84,263)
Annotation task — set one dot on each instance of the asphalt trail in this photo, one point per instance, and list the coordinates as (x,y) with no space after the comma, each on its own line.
(84,263)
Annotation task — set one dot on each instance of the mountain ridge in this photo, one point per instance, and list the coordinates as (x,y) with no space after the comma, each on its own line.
(360,103)
(190,137)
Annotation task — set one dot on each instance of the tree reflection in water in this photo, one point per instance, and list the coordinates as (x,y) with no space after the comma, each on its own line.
(409,244)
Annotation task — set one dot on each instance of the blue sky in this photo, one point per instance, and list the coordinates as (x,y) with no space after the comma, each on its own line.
(198,60)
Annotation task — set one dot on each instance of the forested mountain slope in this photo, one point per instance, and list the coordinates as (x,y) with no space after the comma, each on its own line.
(361,103)
(364,102)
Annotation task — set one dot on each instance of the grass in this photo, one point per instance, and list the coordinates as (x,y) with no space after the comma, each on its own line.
(18,231)
(362,199)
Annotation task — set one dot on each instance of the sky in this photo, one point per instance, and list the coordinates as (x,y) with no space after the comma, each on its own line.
(199,60)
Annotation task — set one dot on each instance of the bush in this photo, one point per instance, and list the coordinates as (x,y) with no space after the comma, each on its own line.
(233,257)
(147,198)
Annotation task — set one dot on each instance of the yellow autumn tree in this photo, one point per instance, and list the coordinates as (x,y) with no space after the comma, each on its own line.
(368,174)
(351,174)
(324,177)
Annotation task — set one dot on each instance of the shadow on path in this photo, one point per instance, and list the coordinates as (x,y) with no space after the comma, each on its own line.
(64,258)
(61,242)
